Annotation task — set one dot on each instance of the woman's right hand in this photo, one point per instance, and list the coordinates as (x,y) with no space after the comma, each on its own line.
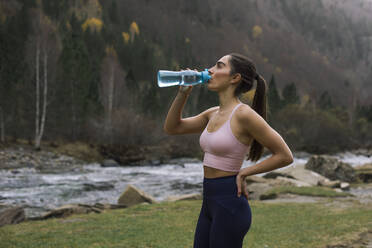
(185,89)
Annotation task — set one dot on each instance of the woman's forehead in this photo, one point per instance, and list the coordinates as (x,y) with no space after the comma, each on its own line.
(224,59)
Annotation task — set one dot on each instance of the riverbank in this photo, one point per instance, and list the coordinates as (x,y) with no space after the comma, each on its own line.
(172,224)
(123,155)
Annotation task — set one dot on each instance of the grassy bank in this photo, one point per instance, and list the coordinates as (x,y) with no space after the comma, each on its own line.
(172,225)
(307,191)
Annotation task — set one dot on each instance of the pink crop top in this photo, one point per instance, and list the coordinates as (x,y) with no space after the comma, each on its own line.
(222,150)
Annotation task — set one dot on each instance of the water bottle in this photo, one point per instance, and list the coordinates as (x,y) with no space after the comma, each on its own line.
(185,78)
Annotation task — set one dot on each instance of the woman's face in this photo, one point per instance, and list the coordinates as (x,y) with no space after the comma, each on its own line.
(220,74)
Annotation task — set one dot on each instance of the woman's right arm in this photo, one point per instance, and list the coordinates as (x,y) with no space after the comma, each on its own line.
(174,124)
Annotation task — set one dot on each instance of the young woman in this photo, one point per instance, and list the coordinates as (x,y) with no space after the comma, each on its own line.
(228,132)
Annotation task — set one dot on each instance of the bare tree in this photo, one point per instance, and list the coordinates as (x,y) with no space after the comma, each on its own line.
(111,90)
(45,47)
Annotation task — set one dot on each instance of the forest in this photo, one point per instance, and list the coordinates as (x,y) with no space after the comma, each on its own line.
(85,70)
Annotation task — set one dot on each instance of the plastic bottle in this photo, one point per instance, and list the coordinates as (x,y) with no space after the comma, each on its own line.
(186,78)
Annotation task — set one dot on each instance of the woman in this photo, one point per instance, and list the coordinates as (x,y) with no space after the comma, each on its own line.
(228,132)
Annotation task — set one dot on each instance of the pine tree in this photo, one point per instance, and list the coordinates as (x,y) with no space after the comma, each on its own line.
(325,101)
(273,97)
(290,94)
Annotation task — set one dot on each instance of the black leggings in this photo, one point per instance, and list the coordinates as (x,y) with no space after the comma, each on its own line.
(224,217)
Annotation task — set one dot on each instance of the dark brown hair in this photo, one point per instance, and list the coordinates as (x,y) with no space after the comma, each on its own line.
(247,69)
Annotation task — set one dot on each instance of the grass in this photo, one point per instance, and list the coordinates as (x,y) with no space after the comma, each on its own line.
(172,225)
(308,191)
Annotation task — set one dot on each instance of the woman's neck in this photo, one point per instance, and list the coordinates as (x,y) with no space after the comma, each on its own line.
(227,101)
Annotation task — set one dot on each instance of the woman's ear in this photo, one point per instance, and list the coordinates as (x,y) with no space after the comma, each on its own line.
(236,78)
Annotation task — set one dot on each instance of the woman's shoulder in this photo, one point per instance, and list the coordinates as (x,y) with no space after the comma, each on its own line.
(211,110)
(245,112)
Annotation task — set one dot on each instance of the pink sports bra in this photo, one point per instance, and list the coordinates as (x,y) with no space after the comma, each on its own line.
(222,150)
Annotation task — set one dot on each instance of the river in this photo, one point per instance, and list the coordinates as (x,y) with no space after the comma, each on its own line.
(39,192)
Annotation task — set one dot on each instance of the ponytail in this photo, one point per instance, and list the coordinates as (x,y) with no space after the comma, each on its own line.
(259,105)
(245,66)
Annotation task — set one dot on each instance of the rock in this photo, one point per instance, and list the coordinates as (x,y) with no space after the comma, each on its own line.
(331,168)
(329,183)
(108,206)
(345,186)
(12,215)
(255,179)
(299,173)
(109,163)
(295,182)
(173,198)
(364,173)
(103,186)
(275,174)
(132,196)
(255,190)
(69,209)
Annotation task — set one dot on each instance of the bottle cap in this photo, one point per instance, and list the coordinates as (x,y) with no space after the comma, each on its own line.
(205,76)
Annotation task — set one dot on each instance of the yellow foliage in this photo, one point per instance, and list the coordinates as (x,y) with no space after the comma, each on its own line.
(249,95)
(134,28)
(257,31)
(126,37)
(278,69)
(110,51)
(2,15)
(265,60)
(68,26)
(93,23)
(187,40)
(87,9)
(305,99)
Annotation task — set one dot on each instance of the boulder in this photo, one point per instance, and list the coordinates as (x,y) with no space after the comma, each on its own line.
(109,163)
(184,197)
(132,196)
(256,179)
(294,182)
(69,209)
(329,183)
(331,168)
(275,174)
(364,173)
(255,190)
(12,215)
(345,186)
(300,173)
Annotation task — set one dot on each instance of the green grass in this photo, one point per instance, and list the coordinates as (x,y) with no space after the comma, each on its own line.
(172,225)
(308,191)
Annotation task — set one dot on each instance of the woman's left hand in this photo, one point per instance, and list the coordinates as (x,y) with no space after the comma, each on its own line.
(240,182)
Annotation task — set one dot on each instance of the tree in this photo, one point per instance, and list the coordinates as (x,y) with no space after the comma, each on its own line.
(273,97)
(112,88)
(290,94)
(325,101)
(43,46)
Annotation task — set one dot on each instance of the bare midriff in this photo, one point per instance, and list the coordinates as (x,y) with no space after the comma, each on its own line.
(210,172)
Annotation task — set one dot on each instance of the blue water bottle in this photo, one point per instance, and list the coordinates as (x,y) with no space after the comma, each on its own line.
(185,78)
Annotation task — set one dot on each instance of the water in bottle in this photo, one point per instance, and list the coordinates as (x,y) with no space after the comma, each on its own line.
(185,78)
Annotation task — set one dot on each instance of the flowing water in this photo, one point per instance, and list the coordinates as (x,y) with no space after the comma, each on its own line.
(39,191)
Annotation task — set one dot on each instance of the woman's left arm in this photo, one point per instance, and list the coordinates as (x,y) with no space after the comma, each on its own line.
(260,130)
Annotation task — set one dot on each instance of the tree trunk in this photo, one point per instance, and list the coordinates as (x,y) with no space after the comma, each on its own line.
(37,144)
(110,96)
(43,115)
(73,114)
(2,126)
